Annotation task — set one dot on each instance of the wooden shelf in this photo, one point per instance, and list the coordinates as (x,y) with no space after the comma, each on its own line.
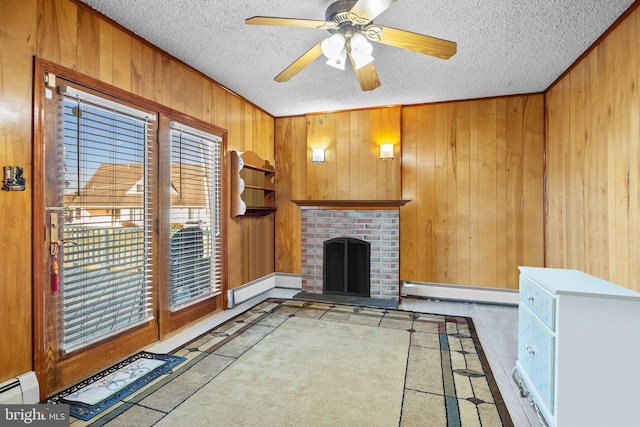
(252,187)
(350,204)
(256,187)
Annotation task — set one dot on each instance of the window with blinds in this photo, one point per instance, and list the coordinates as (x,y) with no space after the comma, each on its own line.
(195,216)
(106,256)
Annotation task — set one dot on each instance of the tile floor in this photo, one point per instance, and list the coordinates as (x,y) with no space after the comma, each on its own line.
(496,326)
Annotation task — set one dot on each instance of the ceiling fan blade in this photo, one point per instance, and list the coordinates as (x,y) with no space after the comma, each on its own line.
(432,46)
(367,75)
(364,11)
(291,22)
(307,58)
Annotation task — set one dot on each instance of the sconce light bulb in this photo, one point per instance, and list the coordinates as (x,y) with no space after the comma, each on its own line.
(317,155)
(386,151)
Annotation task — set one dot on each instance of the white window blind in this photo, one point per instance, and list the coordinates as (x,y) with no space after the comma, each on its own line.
(196,235)
(106,259)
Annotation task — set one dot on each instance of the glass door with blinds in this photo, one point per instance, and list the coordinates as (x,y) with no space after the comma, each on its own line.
(99,206)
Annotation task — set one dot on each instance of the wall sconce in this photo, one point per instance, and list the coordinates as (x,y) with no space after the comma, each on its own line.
(317,155)
(386,151)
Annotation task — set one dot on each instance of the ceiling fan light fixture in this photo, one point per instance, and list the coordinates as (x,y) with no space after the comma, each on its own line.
(334,49)
(332,46)
(361,50)
(339,61)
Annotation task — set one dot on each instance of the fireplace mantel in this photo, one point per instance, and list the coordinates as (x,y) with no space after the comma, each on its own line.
(350,204)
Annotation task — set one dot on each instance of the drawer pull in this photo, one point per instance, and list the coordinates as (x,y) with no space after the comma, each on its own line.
(530,349)
(531,298)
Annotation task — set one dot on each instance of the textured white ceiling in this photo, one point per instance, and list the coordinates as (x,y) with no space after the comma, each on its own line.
(504,47)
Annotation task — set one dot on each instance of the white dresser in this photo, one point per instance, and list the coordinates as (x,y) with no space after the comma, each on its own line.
(579,348)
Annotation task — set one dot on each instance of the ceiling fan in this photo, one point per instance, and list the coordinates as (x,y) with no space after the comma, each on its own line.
(351,24)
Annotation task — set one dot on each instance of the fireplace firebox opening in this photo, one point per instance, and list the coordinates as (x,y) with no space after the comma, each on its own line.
(347,265)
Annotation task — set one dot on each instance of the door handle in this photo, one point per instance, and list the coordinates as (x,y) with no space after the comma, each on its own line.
(53,227)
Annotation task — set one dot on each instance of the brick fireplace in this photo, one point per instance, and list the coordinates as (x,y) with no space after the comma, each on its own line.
(375,223)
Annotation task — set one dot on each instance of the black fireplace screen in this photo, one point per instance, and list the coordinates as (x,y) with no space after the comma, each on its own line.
(347,267)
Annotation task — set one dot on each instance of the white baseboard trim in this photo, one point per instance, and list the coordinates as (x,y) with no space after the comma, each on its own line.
(21,390)
(264,284)
(419,289)
(460,293)
(251,289)
(288,281)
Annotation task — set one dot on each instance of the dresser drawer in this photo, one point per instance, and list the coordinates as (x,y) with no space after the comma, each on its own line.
(536,354)
(525,332)
(541,304)
(542,350)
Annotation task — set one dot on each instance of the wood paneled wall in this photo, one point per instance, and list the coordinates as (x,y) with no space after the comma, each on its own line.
(17,47)
(70,34)
(291,184)
(473,171)
(593,161)
(352,169)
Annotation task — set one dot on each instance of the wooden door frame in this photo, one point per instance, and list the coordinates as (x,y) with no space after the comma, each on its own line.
(54,369)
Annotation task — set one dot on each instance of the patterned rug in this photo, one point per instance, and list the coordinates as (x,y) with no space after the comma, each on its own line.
(447,378)
(247,370)
(101,391)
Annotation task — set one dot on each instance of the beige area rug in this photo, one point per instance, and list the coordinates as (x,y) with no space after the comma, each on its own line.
(307,363)
(307,372)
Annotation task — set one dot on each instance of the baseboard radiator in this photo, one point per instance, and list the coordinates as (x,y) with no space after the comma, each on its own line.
(22,389)
(264,284)
(440,291)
